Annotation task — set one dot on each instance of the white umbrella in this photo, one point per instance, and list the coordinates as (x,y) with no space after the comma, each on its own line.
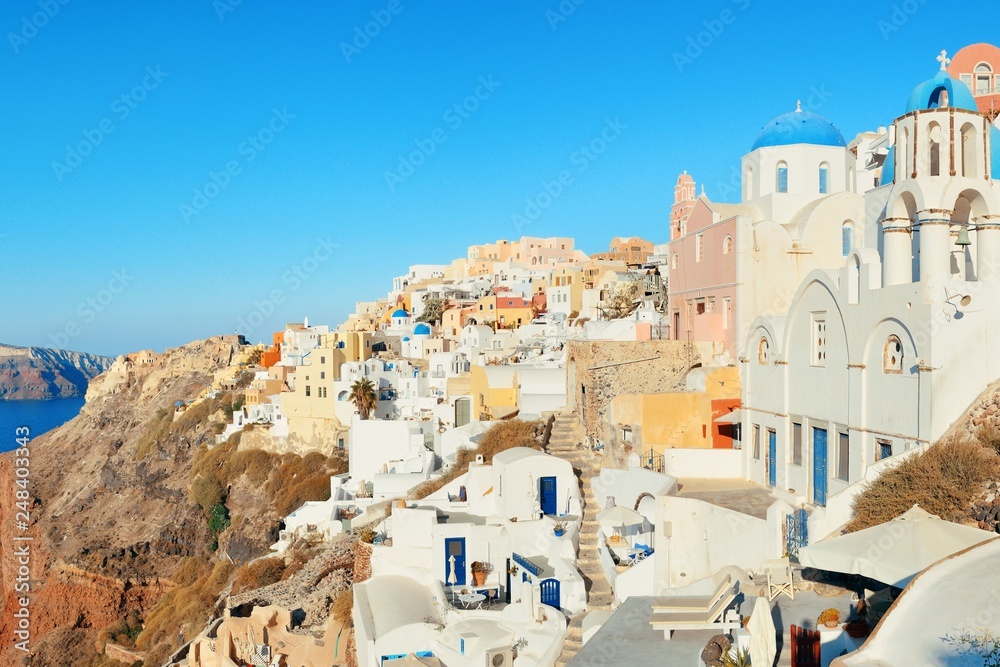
(452,578)
(896,551)
(620,517)
(763,642)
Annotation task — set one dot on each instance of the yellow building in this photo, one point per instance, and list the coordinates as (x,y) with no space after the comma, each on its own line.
(681,419)
(346,346)
(494,391)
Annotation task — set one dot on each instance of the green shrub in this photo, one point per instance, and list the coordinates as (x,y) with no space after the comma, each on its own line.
(218,518)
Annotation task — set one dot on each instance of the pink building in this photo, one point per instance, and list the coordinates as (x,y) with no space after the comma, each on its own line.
(702,267)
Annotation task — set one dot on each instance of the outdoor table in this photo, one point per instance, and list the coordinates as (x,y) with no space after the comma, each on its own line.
(470,599)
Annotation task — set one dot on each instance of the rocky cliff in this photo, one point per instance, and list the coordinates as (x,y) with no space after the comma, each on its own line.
(110,514)
(40,373)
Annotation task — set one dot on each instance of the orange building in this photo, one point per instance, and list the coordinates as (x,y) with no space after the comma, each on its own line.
(978,67)
(632,250)
(272,355)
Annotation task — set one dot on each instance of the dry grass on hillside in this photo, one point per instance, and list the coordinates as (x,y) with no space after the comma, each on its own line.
(185,609)
(500,437)
(943,480)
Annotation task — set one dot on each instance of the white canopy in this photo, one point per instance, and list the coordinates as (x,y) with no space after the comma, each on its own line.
(896,551)
(619,516)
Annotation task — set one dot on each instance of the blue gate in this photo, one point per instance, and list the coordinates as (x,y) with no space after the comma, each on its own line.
(772,455)
(547,491)
(819,466)
(796,533)
(550,592)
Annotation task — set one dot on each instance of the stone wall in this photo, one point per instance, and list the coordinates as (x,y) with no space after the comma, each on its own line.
(362,562)
(597,371)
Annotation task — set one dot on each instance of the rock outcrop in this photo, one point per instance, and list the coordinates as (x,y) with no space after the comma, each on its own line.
(108,521)
(41,373)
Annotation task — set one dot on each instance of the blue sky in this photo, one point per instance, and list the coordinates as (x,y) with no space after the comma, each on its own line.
(178,171)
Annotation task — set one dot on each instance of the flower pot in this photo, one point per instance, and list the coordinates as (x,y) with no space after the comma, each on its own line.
(559,533)
(479,578)
(857,629)
(831,624)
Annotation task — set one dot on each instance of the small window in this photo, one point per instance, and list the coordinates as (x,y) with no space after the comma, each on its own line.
(627,435)
(782,177)
(883,449)
(727,245)
(756,441)
(308,392)
(847,238)
(892,355)
(673,262)
(824,174)
(322,375)
(762,351)
(699,247)
(797,444)
(819,339)
(844,457)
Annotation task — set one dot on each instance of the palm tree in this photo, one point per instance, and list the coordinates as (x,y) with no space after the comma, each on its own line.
(363,397)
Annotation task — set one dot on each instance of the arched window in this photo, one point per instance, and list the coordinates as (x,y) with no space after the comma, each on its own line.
(782,176)
(673,262)
(824,178)
(969,151)
(892,355)
(984,78)
(934,149)
(727,245)
(847,237)
(762,351)
(907,155)
(748,185)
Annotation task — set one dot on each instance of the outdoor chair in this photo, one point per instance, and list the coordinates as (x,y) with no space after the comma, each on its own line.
(715,617)
(693,602)
(779,578)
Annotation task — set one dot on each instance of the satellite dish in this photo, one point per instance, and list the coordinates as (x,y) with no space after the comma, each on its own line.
(966,300)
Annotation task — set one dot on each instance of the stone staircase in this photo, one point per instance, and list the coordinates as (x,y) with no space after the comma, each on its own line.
(566,442)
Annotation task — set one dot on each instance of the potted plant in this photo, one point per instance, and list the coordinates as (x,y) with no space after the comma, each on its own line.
(829,617)
(559,528)
(479,571)
(857,628)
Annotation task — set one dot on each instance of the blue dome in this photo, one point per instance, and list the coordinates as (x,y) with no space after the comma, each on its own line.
(421,330)
(406,339)
(888,167)
(401,313)
(928,94)
(799,127)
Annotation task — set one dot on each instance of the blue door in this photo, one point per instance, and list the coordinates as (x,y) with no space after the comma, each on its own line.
(550,592)
(819,466)
(454,546)
(547,491)
(772,456)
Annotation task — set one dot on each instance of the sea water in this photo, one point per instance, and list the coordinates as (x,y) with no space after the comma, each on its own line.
(38,416)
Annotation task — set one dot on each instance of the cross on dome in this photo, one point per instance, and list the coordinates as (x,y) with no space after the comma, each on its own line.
(798,105)
(944,59)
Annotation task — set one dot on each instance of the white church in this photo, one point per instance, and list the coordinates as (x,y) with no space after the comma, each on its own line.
(884,354)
